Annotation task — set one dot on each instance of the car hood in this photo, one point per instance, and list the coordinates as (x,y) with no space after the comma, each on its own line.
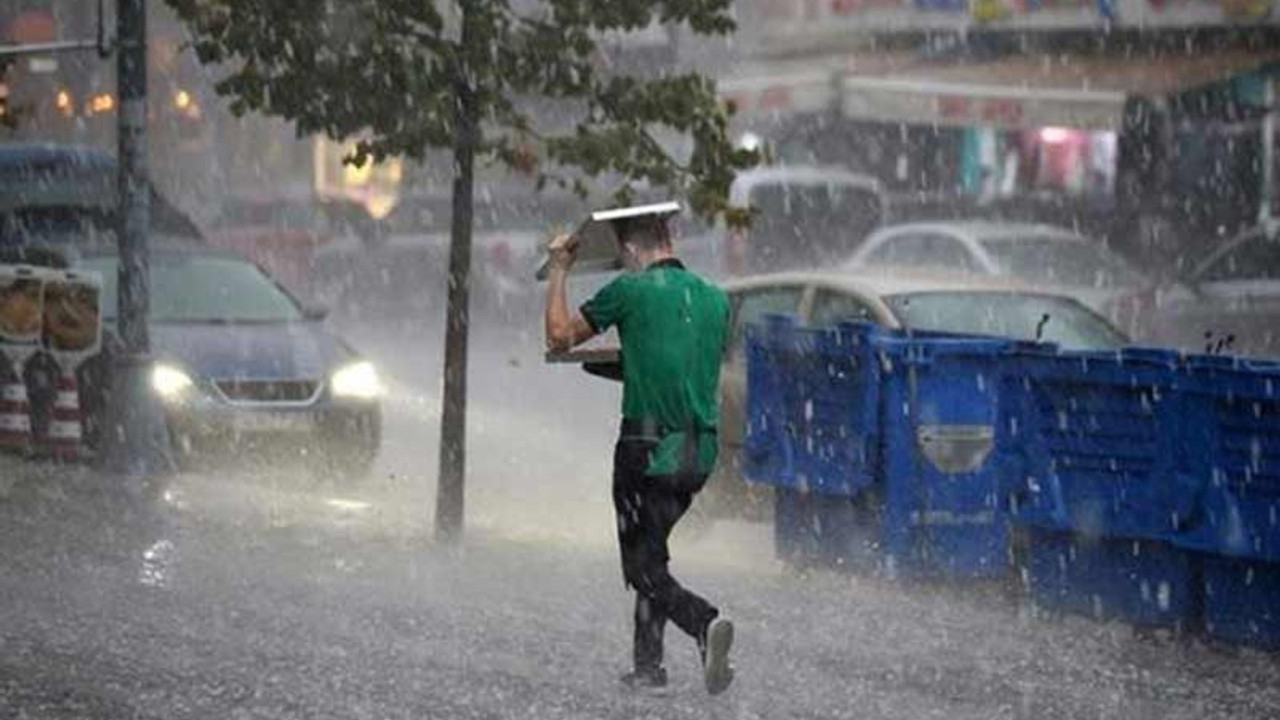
(302,350)
(1241,289)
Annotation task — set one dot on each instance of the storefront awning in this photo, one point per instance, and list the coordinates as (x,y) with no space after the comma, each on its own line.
(780,93)
(770,91)
(1084,92)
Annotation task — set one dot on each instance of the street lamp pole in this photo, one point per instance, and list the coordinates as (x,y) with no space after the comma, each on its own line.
(1268,189)
(136,441)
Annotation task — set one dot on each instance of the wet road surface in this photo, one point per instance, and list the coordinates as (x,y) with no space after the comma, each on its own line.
(261,593)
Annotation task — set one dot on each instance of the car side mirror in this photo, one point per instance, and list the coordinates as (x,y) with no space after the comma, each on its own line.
(315,312)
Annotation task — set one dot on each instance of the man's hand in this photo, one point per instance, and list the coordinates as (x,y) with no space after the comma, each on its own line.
(563,250)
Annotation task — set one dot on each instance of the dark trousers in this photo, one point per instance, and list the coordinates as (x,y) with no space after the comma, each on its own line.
(648,507)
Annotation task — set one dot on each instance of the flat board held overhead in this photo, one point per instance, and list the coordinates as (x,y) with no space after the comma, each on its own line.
(603,359)
(597,241)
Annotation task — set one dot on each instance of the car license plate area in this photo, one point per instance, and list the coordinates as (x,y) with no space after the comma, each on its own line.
(272,422)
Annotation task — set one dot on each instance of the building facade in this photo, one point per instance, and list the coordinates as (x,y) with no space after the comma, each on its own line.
(1119,115)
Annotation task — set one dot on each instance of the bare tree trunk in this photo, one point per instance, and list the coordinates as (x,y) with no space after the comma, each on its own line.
(135,202)
(135,441)
(450,487)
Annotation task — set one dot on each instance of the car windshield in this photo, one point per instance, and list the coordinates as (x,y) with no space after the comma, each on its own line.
(1060,260)
(1014,315)
(203,289)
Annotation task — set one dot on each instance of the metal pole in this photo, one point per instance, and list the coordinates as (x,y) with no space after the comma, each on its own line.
(135,201)
(136,441)
(48,47)
(1268,153)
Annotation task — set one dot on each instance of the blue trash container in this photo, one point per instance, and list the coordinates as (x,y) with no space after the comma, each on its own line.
(1106,485)
(1242,600)
(885,442)
(763,456)
(812,399)
(1146,583)
(837,407)
(945,456)
(1101,453)
(1237,533)
(830,530)
(812,433)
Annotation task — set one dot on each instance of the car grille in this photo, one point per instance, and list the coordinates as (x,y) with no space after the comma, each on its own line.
(268,391)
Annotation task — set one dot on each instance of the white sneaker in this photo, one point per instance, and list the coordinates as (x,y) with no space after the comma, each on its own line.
(717,672)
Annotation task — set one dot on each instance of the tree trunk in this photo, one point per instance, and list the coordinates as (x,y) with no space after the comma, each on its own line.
(135,202)
(450,487)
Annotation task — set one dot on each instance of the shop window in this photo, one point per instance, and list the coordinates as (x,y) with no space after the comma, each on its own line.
(1060,160)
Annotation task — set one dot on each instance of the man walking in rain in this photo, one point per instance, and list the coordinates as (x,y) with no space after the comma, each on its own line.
(673,326)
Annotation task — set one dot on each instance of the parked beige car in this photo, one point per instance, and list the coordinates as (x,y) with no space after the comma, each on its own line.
(922,302)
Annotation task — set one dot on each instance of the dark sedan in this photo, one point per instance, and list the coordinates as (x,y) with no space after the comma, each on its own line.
(242,366)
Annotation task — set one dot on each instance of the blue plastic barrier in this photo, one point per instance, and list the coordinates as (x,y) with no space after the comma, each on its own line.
(1235,435)
(1095,442)
(901,433)
(1236,432)
(764,458)
(1146,484)
(812,417)
(829,530)
(1106,485)
(1144,582)
(945,445)
(1242,601)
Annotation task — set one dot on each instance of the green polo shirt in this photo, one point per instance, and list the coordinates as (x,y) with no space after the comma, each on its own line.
(673,325)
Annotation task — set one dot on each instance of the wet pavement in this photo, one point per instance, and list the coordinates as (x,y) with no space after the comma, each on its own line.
(261,593)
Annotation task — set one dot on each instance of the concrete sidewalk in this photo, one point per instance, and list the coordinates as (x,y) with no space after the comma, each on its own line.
(50,478)
(61,494)
(19,474)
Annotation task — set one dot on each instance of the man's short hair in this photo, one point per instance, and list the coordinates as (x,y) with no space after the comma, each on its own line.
(646,233)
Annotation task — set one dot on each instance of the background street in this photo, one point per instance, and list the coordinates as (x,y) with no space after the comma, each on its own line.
(247,593)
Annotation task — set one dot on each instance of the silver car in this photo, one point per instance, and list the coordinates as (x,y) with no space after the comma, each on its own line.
(1054,258)
(1230,301)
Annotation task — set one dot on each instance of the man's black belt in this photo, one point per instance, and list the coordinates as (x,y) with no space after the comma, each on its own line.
(652,430)
(643,429)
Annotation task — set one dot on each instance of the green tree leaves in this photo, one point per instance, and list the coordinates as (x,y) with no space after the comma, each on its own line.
(393,71)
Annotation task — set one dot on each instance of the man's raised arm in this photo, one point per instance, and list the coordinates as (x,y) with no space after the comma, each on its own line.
(564,328)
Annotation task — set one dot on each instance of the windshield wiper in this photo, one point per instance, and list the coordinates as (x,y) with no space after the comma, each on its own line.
(1044,320)
(191,321)
(214,321)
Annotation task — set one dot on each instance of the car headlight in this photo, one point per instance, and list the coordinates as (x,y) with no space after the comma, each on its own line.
(169,382)
(357,380)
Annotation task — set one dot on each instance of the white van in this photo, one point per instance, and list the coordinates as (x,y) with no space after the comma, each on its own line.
(805,217)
